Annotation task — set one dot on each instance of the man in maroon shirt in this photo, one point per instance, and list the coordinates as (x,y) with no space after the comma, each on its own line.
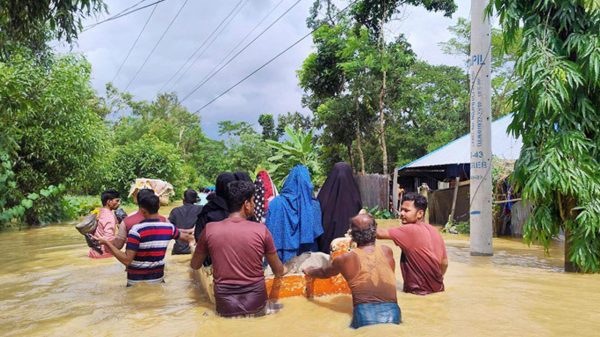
(237,247)
(133,219)
(424,260)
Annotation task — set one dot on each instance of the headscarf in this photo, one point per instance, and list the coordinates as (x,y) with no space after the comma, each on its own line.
(242,176)
(294,217)
(216,209)
(270,188)
(340,201)
(265,192)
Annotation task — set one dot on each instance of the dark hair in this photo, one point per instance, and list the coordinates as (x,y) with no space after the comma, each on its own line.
(143,193)
(240,191)
(419,200)
(108,195)
(150,203)
(190,196)
(365,236)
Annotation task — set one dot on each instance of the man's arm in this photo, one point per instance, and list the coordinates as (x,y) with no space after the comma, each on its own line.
(200,253)
(326,272)
(197,259)
(444,265)
(123,257)
(276,266)
(383,234)
(121,237)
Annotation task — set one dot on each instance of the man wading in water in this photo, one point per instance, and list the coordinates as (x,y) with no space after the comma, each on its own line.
(424,260)
(146,244)
(369,271)
(237,247)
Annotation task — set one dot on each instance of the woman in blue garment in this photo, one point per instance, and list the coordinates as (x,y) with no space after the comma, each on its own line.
(294,216)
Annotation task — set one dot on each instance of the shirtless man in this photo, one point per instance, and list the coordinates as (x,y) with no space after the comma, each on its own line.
(369,271)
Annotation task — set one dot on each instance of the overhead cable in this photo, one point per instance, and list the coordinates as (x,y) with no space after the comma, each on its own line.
(239,52)
(269,61)
(242,40)
(201,46)
(156,45)
(134,43)
(123,13)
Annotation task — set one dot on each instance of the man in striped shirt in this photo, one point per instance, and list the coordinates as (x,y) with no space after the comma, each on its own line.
(146,244)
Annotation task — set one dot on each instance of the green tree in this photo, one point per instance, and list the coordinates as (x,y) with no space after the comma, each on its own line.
(295,120)
(49,124)
(432,111)
(146,157)
(299,148)
(32,23)
(267,122)
(374,14)
(503,59)
(556,109)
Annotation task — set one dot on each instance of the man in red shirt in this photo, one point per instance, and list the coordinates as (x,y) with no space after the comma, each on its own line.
(424,260)
(237,247)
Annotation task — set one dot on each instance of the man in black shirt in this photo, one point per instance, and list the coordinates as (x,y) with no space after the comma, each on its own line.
(184,217)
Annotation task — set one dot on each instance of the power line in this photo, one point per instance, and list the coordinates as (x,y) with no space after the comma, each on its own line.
(123,13)
(134,43)
(156,45)
(239,52)
(201,45)
(269,61)
(243,39)
(207,46)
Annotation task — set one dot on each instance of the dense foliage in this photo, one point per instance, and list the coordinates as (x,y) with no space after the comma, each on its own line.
(556,109)
(51,130)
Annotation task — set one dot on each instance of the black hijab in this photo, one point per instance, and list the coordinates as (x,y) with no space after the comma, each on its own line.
(216,208)
(340,201)
(242,176)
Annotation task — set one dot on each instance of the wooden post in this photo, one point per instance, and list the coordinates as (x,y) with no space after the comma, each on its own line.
(395,192)
(451,217)
(424,191)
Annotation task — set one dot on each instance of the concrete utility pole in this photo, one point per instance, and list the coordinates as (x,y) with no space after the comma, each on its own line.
(481,125)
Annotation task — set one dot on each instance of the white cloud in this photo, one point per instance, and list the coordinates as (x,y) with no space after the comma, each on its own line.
(274,89)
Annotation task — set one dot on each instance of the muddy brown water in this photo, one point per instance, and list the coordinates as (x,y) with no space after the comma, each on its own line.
(50,288)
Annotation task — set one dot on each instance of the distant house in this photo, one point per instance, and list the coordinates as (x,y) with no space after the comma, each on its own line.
(440,168)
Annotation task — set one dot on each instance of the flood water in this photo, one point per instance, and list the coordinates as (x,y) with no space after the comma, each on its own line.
(50,288)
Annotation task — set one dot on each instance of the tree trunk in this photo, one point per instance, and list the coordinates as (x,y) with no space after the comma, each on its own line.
(565,209)
(361,156)
(381,102)
(350,156)
(570,267)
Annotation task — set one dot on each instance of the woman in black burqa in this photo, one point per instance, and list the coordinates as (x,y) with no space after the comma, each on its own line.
(216,208)
(340,201)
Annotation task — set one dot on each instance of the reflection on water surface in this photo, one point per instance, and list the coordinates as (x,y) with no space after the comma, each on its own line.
(50,287)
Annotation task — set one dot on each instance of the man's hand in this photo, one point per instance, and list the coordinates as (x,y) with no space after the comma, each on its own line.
(310,271)
(100,240)
(186,235)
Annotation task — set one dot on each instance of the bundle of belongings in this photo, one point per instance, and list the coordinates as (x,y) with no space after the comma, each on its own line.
(161,188)
(87,227)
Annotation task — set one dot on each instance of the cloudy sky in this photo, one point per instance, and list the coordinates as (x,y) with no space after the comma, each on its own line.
(274,89)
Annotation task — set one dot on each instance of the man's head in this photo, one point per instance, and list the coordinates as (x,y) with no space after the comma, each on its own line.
(363,229)
(110,199)
(190,196)
(144,193)
(149,205)
(241,197)
(413,208)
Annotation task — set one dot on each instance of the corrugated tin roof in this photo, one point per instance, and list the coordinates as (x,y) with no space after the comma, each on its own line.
(504,146)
